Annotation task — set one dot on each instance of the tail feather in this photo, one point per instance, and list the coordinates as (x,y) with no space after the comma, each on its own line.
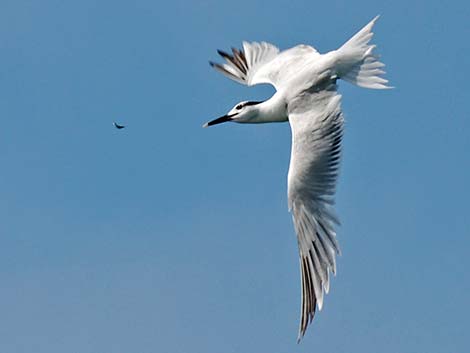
(356,62)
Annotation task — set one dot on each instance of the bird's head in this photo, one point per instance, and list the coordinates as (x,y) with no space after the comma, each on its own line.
(243,112)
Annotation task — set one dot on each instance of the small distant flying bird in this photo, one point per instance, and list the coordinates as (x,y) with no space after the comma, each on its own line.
(118,126)
(306,96)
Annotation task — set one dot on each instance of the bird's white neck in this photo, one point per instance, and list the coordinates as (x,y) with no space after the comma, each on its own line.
(272,110)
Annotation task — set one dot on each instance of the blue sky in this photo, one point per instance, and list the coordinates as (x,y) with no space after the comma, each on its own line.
(166,237)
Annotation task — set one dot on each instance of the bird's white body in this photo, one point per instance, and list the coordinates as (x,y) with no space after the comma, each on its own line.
(274,110)
(306,96)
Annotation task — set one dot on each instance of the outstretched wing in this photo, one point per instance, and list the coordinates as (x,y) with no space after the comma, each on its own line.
(243,65)
(263,63)
(317,126)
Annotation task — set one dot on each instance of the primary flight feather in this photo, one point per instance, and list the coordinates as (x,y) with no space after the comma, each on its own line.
(306,96)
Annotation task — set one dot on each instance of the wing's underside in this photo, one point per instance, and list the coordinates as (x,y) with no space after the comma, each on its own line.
(317,127)
(263,63)
(242,65)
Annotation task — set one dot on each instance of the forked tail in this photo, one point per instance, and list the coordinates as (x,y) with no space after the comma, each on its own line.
(356,62)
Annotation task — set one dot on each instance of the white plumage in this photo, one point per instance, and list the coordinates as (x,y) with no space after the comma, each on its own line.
(306,96)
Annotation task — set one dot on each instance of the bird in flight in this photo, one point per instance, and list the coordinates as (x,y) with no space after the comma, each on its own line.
(117,126)
(306,96)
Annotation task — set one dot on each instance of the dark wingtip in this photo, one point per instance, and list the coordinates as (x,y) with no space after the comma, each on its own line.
(211,63)
(222,53)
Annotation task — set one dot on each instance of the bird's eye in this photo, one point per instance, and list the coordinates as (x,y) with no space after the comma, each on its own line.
(238,107)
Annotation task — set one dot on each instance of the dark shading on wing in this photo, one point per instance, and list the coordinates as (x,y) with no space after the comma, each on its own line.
(118,126)
(242,64)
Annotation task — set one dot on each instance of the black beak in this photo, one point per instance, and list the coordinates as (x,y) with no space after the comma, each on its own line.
(222,119)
